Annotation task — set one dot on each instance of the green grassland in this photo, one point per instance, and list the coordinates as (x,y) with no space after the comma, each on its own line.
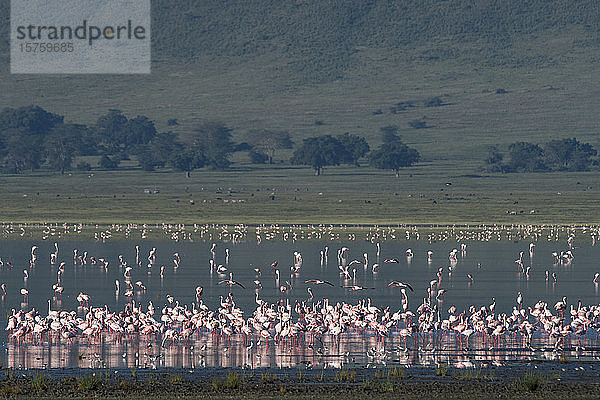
(285,65)
(294,195)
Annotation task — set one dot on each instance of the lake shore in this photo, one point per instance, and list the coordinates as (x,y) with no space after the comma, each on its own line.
(456,385)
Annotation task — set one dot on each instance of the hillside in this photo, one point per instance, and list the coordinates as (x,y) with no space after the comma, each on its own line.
(346,64)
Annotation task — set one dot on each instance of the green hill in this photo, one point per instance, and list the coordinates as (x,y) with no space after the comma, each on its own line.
(347,64)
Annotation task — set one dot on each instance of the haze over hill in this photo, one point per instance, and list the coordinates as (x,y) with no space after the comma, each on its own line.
(314,67)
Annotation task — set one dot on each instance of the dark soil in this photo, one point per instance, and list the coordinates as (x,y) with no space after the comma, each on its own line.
(268,385)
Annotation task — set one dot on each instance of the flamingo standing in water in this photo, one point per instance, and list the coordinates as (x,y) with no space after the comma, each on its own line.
(58,290)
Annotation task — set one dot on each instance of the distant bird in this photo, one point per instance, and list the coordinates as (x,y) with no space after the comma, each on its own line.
(318,282)
(355,288)
(221,269)
(391,260)
(230,282)
(83,298)
(400,285)
(58,289)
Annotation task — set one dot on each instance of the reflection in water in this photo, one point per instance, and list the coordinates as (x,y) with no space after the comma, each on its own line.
(154,274)
(327,352)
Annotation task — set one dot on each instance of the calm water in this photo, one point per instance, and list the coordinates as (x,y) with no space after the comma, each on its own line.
(492,266)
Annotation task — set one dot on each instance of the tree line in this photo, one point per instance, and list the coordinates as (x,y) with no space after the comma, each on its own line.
(32,138)
(556,155)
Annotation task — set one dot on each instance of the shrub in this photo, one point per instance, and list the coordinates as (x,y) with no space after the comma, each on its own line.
(380,374)
(531,381)
(89,382)
(39,383)
(267,377)
(217,384)
(367,384)
(10,389)
(175,379)
(233,381)
(344,375)
(396,373)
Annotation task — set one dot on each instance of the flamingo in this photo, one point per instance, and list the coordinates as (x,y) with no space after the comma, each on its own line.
(230,282)
(319,282)
(25,294)
(400,285)
(58,289)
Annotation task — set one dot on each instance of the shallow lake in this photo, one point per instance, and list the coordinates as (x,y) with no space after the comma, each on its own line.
(491,266)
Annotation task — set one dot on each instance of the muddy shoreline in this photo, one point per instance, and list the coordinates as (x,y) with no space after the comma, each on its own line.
(559,381)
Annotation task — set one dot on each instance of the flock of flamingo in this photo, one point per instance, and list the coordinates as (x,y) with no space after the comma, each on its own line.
(428,325)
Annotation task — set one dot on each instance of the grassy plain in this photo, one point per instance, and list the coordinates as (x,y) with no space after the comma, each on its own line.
(293,195)
(549,92)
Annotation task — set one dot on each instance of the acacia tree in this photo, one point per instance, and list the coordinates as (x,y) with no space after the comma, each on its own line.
(159,151)
(493,162)
(568,155)
(62,144)
(188,160)
(119,135)
(267,141)
(215,140)
(319,152)
(22,152)
(355,147)
(525,157)
(109,130)
(23,132)
(394,155)
(33,120)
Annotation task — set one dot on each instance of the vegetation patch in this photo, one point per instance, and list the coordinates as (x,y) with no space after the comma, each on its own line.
(89,382)
(345,376)
(531,381)
(40,382)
